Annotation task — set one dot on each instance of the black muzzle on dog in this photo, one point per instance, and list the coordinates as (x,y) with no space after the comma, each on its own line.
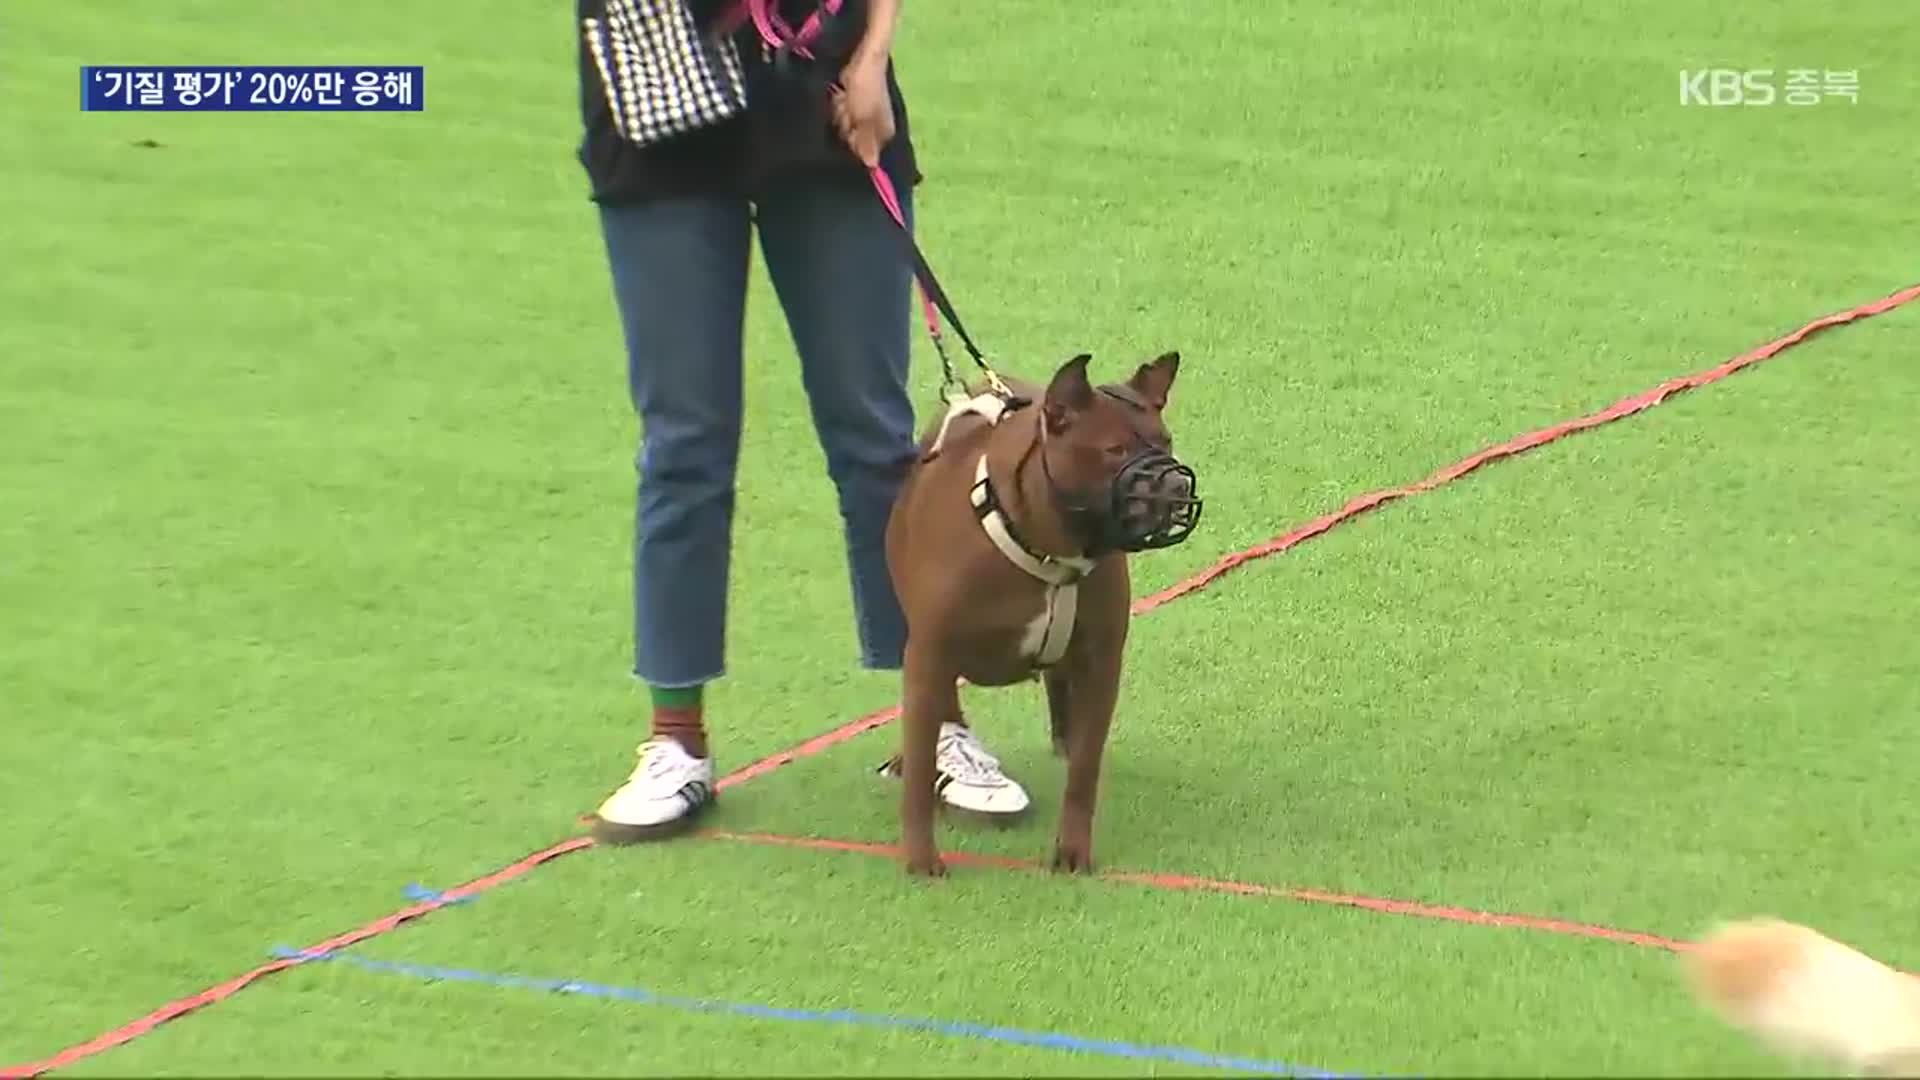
(1153,502)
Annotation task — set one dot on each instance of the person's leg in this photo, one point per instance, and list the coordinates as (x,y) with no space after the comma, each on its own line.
(679,272)
(836,263)
(844,286)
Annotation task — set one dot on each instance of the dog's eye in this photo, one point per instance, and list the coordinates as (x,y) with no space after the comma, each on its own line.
(1117,450)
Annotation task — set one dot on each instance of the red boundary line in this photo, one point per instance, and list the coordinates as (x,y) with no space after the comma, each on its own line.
(1190,883)
(1619,410)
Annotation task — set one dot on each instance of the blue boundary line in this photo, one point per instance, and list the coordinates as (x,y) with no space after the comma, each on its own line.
(953,1029)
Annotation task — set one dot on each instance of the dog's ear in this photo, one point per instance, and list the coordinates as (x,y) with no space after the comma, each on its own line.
(1068,393)
(1154,380)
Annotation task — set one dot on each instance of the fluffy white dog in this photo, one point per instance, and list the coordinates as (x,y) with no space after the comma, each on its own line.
(1801,993)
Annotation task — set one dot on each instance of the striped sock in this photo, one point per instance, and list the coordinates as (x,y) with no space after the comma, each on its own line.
(678,715)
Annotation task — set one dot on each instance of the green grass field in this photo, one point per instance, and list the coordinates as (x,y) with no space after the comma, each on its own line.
(315,500)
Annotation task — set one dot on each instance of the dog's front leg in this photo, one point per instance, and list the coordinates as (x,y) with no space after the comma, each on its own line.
(1059,693)
(929,698)
(1095,683)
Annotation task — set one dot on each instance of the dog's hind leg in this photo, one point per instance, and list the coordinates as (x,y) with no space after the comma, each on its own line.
(1058,695)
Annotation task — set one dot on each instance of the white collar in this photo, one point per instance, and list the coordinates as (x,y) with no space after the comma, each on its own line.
(1060,571)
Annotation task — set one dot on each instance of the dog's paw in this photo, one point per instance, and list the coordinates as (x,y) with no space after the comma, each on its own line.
(927,864)
(1073,858)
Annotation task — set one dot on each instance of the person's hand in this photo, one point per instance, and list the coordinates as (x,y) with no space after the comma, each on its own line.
(863,110)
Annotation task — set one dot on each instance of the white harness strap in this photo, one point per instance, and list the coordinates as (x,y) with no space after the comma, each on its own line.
(1061,575)
(989,407)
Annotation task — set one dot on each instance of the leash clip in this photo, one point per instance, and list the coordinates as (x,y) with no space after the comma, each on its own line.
(952,387)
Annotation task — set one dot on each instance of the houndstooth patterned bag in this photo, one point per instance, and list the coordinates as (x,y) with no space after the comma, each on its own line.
(663,74)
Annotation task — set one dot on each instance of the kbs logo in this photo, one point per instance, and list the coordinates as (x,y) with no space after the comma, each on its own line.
(1725,86)
(1803,86)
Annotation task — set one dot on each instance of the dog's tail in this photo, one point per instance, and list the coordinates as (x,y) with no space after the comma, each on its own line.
(1801,993)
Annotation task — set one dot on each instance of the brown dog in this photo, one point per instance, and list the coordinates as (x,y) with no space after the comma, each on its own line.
(1008,547)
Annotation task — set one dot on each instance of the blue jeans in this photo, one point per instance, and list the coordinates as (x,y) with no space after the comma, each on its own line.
(680,281)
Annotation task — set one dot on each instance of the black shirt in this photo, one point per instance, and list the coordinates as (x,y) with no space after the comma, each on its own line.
(780,137)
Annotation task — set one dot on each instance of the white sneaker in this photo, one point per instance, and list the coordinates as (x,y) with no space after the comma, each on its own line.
(968,778)
(667,791)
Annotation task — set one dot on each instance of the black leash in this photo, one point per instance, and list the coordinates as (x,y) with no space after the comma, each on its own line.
(933,298)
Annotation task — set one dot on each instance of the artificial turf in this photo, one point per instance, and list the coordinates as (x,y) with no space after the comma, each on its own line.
(317,480)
